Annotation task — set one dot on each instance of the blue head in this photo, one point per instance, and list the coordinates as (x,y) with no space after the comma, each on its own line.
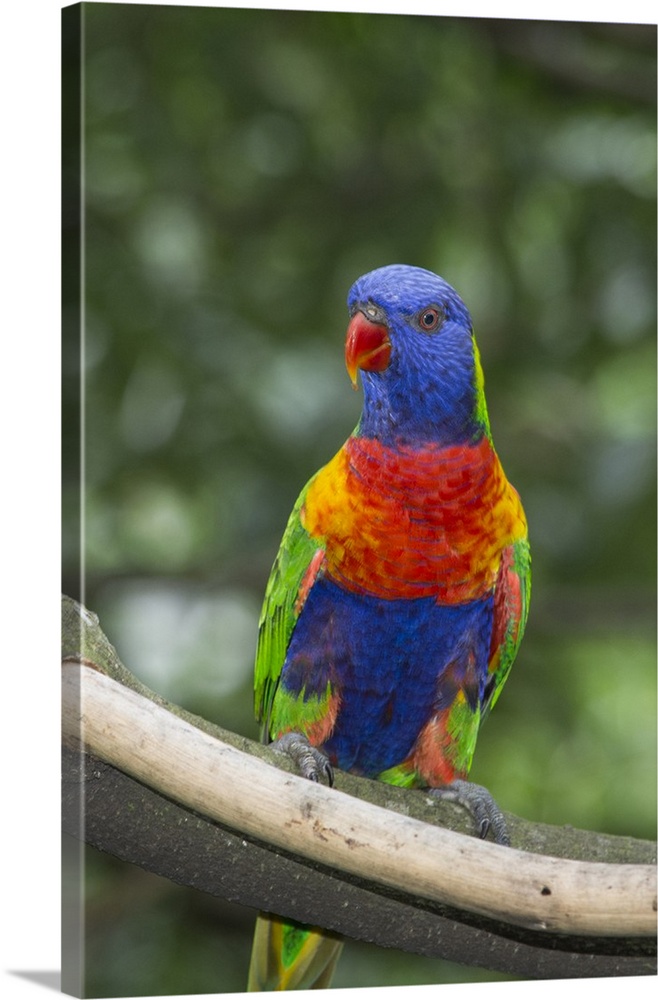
(412,338)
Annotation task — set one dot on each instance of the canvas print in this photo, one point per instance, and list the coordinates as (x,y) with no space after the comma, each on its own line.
(358,613)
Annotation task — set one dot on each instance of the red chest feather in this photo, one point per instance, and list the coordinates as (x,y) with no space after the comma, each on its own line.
(414,523)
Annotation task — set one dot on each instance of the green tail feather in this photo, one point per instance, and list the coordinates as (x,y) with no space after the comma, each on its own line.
(291,956)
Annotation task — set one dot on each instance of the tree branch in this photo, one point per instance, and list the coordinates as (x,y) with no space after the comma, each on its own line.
(132,822)
(393,856)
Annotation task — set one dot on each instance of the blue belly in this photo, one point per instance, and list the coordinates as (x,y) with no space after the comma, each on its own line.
(394,664)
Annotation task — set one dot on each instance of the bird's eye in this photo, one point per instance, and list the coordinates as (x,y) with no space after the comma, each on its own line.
(430,319)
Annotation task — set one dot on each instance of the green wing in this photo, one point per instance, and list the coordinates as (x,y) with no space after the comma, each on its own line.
(294,569)
(511,604)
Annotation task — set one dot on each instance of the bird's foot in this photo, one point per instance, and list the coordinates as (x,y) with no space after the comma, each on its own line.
(480,804)
(312,763)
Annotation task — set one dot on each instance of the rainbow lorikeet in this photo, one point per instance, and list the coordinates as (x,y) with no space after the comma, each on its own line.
(400,593)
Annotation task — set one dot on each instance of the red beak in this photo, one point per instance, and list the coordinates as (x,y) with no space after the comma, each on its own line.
(367,346)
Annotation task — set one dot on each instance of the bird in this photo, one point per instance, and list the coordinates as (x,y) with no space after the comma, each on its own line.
(399,596)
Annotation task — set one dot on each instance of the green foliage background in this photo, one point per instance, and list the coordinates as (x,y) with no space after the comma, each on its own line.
(241,168)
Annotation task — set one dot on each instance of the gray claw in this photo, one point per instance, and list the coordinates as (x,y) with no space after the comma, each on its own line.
(312,762)
(480,804)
